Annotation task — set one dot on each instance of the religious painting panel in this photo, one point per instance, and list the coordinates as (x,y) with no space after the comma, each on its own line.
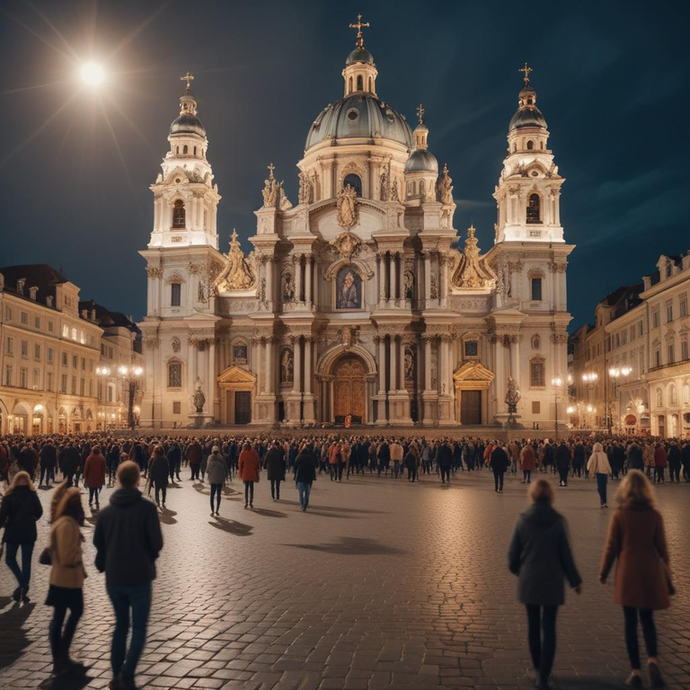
(348,294)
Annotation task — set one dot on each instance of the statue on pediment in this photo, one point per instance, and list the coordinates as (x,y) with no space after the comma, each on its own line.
(237,274)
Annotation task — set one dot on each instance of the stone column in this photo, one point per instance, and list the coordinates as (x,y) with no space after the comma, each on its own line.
(401,364)
(297,369)
(515,357)
(297,263)
(381,341)
(443,279)
(427,278)
(308,265)
(270,296)
(307,364)
(427,362)
(393,367)
(270,367)
(381,272)
(393,295)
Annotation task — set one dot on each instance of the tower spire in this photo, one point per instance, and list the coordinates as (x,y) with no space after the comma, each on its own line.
(526,70)
(189,79)
(359,26)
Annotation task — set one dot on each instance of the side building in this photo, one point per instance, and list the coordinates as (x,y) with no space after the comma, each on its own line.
(633,366)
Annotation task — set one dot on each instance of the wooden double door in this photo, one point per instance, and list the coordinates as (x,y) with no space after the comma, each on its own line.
(471,408)
(350,390)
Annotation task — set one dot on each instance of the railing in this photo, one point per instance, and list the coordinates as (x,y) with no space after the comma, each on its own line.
(670,364)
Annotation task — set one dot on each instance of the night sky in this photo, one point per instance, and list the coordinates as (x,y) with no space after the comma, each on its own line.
(75,164)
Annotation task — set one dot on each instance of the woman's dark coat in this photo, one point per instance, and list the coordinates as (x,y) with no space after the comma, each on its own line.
(305,468)
(19,513)
(274,461)
(540,556)
(159,471)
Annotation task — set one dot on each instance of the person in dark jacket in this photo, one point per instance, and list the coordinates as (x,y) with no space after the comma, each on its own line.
(216,471)
(685,460)
(69,463)
(128,540)
(635,458)
(19,512)
(174,461)
(541,557)
(48,460)
(562,459)
(194,452)
(274,461)
(499,465)
(674,462)
(28,461)
(305,475)
(158,474)
(444,458)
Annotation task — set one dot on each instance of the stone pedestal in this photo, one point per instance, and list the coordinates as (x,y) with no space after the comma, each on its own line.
(446,416)
(399,408)
(309,408)
(509,421)
(381,416)
(430,412)
(294,410)
(199,420)
(264,409)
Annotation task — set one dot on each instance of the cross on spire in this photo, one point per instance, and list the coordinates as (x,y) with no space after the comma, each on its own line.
(526,71)
(271,168)
(420,113)
(189,79)
(359,26)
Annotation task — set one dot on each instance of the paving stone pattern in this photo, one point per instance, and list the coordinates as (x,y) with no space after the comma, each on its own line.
(382,584)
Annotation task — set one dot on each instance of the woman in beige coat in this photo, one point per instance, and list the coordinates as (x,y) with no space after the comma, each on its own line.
(66,578)
(641,586)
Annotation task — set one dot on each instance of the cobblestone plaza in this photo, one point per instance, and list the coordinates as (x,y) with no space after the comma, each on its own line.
(381,584)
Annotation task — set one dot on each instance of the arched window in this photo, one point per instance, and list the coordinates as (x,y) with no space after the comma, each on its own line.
(174,374)
(542,146)
(355,182)
(177,150)
(370,85)
(530,145)
(349,87)
(534,209)
(360,83)
(185,150)
(514,148)
(195,150)
(422,187)
(179,215)
(673,395)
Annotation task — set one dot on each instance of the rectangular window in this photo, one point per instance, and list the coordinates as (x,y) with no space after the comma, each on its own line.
(8,313)
(90,388)
(50,355)
(10,346)
(25,318)
(74,334)
(82,387)
(65,330)
(471,348)
(37,353)
(37,321)
(669,313)
(657,358)
(655,319)
(37,379)
(684,307)
(8,375)
(51,325)
(25,348)
(74,385)
(671,354)
(640,328)
(684,350)
(23,378)
(175,295)
(83,364)
(536,407)
(537,376)
(535,285)
(49,381)
(63,384)
(110,393)
(75,361)
(64,359)
(175,375)
(177,407)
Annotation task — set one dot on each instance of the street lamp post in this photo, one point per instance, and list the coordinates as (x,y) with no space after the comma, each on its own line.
(590,378)
(616,373)
(131,377)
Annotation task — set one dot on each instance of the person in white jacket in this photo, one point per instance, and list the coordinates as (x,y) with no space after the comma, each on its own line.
(599,466)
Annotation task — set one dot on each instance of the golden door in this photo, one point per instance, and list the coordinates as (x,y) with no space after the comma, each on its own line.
(349,390)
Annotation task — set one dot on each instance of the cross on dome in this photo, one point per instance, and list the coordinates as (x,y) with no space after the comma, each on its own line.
(359,26)
(271,168)
(526,71)
(189,79)
(420,113)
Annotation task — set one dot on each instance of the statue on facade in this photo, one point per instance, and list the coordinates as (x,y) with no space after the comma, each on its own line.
(395,194)
(286,366)
(237,274)
(272,189)
(385,184)
(409,364)
(445,187)
(347,206)
(473,272)
(304,195)
(199,398)
(512,396)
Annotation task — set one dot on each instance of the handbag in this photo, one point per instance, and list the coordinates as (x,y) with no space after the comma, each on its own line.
(46,557)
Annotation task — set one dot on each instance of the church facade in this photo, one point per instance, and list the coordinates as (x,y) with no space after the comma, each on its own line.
(354,304)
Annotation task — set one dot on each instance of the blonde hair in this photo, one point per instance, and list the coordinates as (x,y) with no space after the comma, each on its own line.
(541,491)
(636,491)
(20,479)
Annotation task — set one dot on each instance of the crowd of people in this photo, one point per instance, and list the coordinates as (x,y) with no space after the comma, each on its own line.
(128,537)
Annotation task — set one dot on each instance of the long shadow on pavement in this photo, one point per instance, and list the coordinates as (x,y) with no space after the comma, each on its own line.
(339,509)
(352,546)
(13,639)
(75,681)
(166,516)
(268,513)
(239,529)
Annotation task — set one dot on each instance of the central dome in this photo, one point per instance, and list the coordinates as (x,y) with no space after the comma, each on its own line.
(360,115)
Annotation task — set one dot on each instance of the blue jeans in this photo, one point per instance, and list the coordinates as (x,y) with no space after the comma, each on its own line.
(24,575)
(602,479)
(304,489)
(137,597)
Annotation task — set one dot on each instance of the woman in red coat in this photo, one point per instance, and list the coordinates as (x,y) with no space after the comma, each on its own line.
(527,462)
(94,475)
(660,462)
(249,468)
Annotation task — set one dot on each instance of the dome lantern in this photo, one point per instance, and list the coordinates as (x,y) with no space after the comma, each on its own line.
(360,71)
(188,123)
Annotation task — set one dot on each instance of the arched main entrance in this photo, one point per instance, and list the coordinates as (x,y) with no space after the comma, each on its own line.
(350,390)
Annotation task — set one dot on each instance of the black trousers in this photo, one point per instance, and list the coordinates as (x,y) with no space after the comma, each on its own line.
(216,491)
(411,473)
(61,638)
(48,473)
(541,635)
(275,488)
(674,471)
(563,474)
(249,493)
(648,631)
(527,475)
(445,474)
(195,470)
(498,480)
(93,493)
(159,490)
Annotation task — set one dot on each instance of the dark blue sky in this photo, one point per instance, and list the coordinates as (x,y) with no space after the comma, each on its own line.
(611,78)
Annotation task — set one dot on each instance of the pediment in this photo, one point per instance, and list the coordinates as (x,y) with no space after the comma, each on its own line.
(236,375)
(473,371)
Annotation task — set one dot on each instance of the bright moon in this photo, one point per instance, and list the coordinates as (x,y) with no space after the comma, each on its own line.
(92,73)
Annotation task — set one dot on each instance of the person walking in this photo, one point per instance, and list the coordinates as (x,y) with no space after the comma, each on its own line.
(69,462)
(249,471)
(159,472)
(397,456)
(674,462)
(216,471)
(194,452)
(66,579)
(28,461)
(94,475)
(562,460)
(48,460)
(305,475)
(128,540)
(499,464)
(660,462)
(600,467)
(412,462)
(274,461)
(541,557)
(19,512)
(637,540)
(527,462)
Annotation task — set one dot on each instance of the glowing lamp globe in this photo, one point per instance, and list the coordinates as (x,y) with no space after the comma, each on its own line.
(92,74)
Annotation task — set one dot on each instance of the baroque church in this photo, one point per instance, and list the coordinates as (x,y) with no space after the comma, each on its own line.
(359,304)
